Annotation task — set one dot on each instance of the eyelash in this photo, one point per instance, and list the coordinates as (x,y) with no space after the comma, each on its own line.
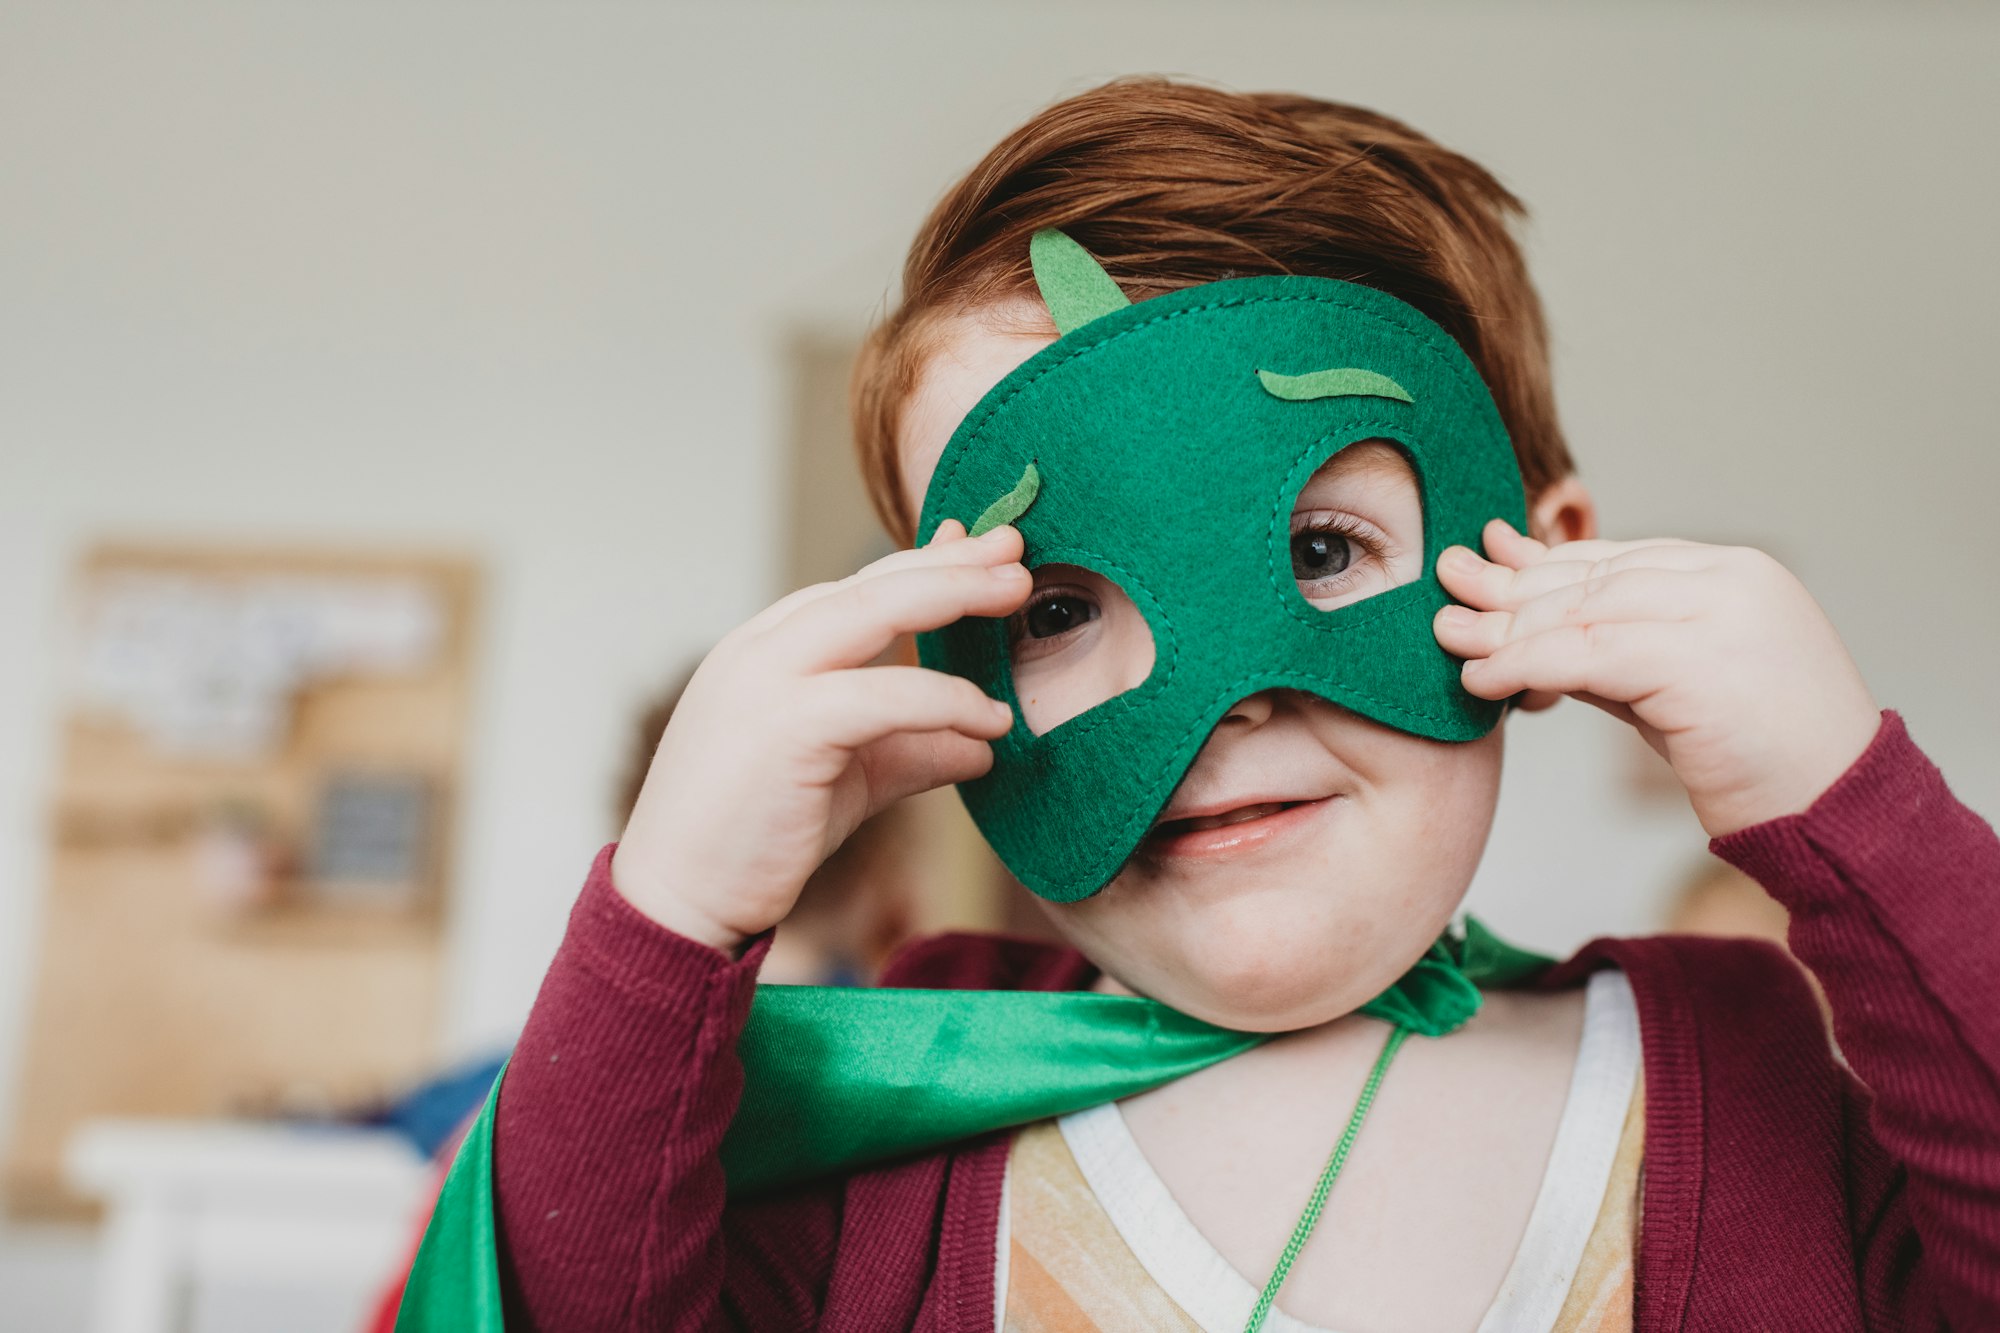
(1017,624)
(1374,543)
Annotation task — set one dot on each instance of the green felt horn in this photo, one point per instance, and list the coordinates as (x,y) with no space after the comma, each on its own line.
(1074,286)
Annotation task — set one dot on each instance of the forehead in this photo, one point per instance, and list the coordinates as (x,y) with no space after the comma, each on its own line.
(970,352)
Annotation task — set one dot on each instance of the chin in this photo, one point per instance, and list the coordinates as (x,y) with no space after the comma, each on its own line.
(1260,966)
(1276,991)
(1282,997)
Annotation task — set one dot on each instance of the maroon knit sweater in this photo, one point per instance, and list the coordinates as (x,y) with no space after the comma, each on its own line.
(1780,1191)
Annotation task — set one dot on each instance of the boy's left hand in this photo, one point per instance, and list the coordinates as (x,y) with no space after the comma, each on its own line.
(1717,654)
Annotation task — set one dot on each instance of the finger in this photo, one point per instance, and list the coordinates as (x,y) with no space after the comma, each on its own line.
(859,707)
(1001,546)
(1668,596)
(852,625)
(1505,546)
(1621,663)
(1537,701)
(943,549)
(1623,712)
(1488,585)
(909,762)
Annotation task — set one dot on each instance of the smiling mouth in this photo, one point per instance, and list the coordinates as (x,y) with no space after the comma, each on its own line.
(1242,814)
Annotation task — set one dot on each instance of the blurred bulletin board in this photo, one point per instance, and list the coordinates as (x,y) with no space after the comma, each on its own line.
(248,835)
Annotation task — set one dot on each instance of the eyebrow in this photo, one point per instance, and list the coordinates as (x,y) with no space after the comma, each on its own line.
(1345,383)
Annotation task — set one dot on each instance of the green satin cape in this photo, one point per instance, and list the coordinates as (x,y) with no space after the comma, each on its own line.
(837,1078)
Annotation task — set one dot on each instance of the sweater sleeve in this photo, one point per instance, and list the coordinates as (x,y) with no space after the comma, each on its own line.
(608,1189)
(1894,892)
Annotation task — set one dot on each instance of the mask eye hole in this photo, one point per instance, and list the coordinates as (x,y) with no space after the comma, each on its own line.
(1078,642)
(1357,526)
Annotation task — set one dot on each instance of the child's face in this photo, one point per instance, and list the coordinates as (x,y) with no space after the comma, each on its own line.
(1310,855)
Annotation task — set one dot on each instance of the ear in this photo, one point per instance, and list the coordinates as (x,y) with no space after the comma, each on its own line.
(1074,286)
(1563,512)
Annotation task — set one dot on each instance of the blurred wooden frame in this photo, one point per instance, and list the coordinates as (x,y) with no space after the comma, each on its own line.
(149,1002)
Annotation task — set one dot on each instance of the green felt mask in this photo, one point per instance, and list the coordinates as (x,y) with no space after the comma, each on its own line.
(1163,445)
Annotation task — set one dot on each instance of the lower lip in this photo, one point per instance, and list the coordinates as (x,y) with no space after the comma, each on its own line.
(1244,836)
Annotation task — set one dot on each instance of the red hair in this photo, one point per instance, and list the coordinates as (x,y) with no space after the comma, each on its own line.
(1171,184)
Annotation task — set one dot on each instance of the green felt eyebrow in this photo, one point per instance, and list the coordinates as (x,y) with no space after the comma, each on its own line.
(1009,506)
(1332,384)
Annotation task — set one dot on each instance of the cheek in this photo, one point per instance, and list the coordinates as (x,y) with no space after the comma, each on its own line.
(1457,786)
(1430,807)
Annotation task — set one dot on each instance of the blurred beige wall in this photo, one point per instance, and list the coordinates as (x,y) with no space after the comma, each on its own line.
(520,281)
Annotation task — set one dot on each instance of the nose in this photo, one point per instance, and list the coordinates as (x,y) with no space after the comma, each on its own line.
(1252,711)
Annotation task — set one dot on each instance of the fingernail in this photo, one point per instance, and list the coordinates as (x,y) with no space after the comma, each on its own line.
(1008,572)
(1460,558)
(990,533)
(1458,617)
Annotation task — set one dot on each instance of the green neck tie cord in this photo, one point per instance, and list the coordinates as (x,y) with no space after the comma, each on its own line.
(1310,1218)
(836,1078)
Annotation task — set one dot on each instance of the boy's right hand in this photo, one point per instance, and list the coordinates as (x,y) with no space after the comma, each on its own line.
(786,739)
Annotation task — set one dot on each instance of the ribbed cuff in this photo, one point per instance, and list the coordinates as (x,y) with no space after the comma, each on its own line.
(1874,806)
(648,961)
(1781,851)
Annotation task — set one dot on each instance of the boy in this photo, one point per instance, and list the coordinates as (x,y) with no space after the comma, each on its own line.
(1301,857)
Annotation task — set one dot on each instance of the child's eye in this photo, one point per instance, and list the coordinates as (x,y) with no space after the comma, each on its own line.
(1317,553)
(1332,552)
(1057,611)
(1049,614)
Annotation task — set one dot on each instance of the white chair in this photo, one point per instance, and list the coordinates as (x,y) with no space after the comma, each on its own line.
(195,1207)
